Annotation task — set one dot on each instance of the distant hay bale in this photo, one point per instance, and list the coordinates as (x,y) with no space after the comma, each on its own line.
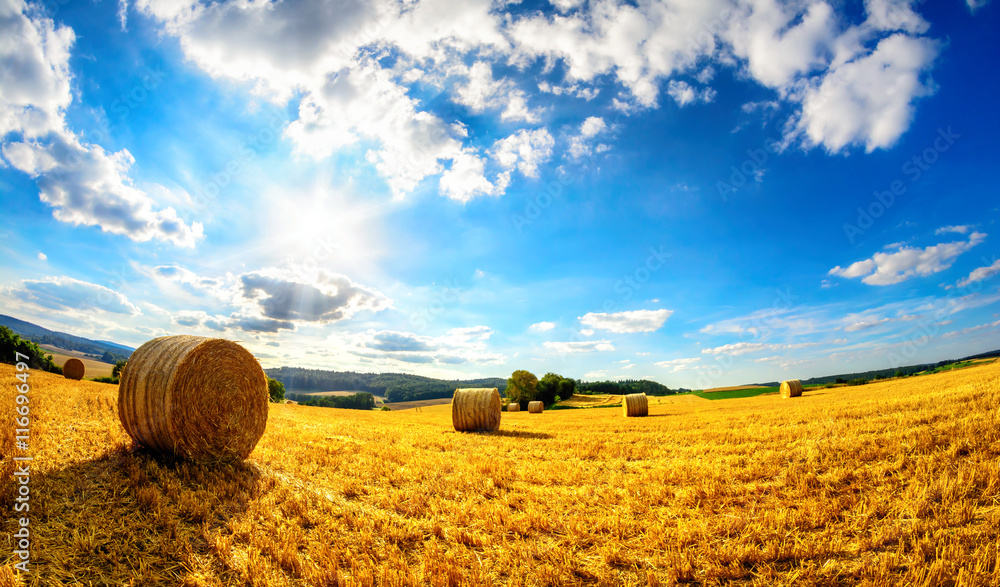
(74,369)
(476,409)
(513,407)
(194,397)
(635,405)
(535,407)
(791,388)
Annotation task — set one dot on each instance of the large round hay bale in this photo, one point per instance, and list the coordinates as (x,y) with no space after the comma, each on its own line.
(476,409)
(635,405)
(535,407)
(513,407)
(74,369)
(791,388)
(194,397)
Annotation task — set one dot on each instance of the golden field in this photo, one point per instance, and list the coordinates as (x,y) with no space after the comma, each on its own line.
(893,483)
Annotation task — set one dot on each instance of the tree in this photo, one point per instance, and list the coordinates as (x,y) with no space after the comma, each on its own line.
(276,389)
(548,389)
(522,387)
(567,387)
(117,371)
(11,344)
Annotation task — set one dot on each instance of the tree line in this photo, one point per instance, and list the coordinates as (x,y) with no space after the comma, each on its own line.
(357,401)
(394,387)
(11,344)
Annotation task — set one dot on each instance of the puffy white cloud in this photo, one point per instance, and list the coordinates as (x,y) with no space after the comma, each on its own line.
(280,294)
(684,94)
(870,100)
(84,184)
(524,149)
(981,273)
(481,91)
(907,262)
(675,365)
(465,179)
(457,346)
(580,145)
(66,293)
(962,229)
(627,322)
(895,15)
(585,346)
(542,326)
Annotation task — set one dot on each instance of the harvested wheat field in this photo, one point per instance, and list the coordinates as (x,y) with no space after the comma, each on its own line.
(892,483)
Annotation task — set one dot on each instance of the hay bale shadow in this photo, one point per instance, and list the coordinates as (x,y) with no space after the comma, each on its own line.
(92,521)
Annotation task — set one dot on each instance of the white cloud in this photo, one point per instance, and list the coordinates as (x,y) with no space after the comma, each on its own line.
(586,346)
(684,94)
(465,179)
(580,145)
(742,348)
(84,184)
(524,149)
(963,229)
(282,294)
(42,256)
(587,331)
(895,15)
(864,325)
(457,346)
(675,365)
(481,91)
(627,322)
(66,293)
(980,274)
(907,262)
(869,100)
(542,326)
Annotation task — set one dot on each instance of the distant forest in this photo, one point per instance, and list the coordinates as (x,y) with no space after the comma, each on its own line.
(625,387)
(394,387)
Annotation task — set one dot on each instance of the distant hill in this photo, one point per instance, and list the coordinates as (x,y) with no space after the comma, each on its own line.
(394,387)
(882,373)
(108,352)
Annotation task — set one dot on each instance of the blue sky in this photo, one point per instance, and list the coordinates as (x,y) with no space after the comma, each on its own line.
(699,192)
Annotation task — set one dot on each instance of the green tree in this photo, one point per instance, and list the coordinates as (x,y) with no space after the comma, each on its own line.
(276,389)
(11,344)
(522,387)
(548,388)
(117,371)
(567,387)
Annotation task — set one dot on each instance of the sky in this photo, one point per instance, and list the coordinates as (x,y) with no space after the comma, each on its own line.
(699,192)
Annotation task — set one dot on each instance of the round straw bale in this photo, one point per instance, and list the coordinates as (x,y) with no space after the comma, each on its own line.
(791,388)
(476,409)
(635,405)
(194,397)
(513,407)
(535,407)
(74,369)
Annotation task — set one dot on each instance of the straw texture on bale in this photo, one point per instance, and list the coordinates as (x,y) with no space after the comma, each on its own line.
(791,388)
(635,405)
(513,407)
(476,409)
(535,407)
(74,369)
(194,397)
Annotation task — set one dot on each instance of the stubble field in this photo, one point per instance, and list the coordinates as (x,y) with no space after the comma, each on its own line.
(891,483)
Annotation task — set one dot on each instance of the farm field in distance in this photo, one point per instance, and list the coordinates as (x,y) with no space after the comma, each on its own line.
(95,368)
(896,482)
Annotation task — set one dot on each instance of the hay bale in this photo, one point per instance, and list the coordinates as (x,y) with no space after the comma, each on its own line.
(791,388)
(513,407)
(476,409)
(194,397)
(635,405)
(535,407)
(74,369)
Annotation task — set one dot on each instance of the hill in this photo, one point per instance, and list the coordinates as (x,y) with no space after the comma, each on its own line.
(107,352)
(394,387)
(896,484)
